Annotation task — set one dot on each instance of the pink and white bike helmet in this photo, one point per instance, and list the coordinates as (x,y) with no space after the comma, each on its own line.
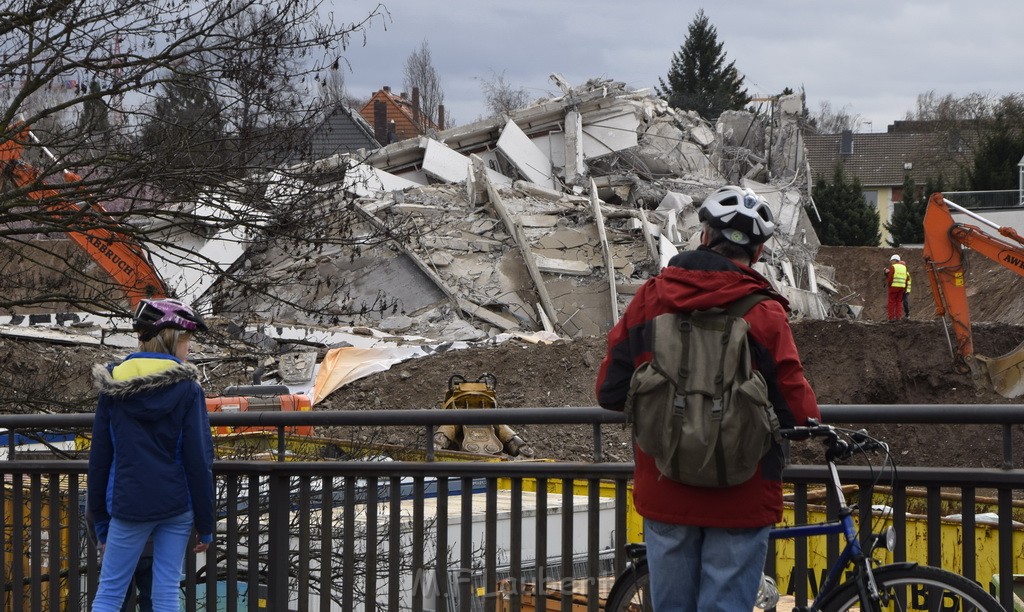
(152,316)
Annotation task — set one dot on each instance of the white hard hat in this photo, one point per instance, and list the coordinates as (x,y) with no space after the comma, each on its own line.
(894,258)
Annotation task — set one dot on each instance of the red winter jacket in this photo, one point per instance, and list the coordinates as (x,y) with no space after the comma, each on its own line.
(697,280)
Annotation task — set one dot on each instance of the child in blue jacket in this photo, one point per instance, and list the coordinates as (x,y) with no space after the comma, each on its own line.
(150,462)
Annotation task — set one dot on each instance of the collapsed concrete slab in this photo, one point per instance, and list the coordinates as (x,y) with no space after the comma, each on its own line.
(547,219)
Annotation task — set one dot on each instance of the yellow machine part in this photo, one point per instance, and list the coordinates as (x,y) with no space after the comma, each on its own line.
(464,394)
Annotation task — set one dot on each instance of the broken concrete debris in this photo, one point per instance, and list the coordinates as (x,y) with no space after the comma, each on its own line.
(547,218)
(536,225)
(552,216)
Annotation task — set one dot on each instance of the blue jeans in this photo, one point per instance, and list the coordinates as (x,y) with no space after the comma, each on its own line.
(141,585)
(125,540)
(704,568)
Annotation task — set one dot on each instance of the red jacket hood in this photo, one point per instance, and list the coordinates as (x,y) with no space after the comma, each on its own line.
(700,289)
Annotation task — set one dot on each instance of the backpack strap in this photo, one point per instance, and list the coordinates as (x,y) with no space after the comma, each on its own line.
(743,305)
(736,309)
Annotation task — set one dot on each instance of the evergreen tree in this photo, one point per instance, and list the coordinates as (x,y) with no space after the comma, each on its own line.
(187,130)
(907,225)
(930,187)
(95,119)
(699,79)
(846,217)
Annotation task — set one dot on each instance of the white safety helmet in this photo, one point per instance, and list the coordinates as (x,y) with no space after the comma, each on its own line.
(894,258)
(742,216)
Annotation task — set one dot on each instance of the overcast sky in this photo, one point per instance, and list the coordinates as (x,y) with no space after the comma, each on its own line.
(869,57)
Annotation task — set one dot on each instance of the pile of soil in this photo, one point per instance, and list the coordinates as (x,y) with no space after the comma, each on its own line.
(846,362)
(868,361)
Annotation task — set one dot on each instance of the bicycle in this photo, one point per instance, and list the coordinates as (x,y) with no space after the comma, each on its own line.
(868,586)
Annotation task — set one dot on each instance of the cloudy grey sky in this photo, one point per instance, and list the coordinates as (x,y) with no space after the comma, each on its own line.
(869,57)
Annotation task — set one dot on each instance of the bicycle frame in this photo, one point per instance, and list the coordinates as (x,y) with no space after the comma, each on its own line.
(852,554)
(868,587)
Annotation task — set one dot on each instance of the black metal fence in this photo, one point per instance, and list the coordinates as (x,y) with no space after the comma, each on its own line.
(362,531)
(986,199)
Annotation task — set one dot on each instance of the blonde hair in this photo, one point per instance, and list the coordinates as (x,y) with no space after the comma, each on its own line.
(165,341)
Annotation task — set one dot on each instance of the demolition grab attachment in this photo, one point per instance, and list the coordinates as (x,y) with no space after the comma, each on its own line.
(485,439)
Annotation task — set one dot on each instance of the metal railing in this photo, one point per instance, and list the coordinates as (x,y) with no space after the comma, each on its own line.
(1011,198)
(358,534)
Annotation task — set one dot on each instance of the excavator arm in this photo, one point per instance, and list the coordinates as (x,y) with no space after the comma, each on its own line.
(88,225)
(944,243)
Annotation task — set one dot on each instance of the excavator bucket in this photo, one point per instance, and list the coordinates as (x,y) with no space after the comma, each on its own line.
(1004,375)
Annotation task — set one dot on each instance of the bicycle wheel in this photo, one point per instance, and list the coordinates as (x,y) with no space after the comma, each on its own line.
(915,587)
(630,593)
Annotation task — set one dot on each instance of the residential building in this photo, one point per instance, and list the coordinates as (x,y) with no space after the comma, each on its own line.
(881,160)
(343,130)
(398,117)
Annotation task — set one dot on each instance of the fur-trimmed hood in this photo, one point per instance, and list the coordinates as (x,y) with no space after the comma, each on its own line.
(104,381)
(142,383)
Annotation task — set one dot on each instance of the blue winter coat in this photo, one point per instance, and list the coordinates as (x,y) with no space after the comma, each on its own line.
(152,453)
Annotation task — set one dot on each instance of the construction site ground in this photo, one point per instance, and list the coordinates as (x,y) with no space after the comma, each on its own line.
(867,361)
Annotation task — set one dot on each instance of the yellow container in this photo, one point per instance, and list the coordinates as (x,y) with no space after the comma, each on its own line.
(986,536)
(41,525)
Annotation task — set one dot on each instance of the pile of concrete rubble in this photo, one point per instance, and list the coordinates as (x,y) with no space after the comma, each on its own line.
(547,219)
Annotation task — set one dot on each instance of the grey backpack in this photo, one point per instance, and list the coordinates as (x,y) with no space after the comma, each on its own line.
(698,408)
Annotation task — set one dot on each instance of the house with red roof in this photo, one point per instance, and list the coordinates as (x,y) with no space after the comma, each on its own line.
(397,117)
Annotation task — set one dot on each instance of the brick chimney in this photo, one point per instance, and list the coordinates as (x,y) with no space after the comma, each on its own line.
(440,116)
(387,88)
(416,108)
(380,120)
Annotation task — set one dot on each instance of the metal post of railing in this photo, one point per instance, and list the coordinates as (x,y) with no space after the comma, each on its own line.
(430,442)
(1007,446)
(277,549)
(1006,571)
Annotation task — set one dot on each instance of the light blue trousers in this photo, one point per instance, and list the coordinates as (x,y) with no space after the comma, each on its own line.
(704,568)
(125,540)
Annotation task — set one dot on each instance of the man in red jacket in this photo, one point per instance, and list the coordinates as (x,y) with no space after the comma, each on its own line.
(706,547)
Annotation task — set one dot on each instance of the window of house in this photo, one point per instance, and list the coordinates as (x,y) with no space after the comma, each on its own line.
(871,197)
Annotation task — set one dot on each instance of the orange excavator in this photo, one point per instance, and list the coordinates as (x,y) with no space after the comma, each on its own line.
(128,264)
(945,240)
(87,224)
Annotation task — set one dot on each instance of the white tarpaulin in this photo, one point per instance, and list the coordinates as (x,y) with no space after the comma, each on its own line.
(344,365)
(341,366)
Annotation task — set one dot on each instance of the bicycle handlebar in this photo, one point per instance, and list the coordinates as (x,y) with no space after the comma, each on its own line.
(842,444)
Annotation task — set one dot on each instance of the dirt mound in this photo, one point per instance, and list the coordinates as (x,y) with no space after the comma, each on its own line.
(871,361)
(994,293)
(905,362)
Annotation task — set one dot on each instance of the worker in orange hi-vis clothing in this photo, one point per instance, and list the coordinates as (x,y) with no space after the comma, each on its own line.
(896,284)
